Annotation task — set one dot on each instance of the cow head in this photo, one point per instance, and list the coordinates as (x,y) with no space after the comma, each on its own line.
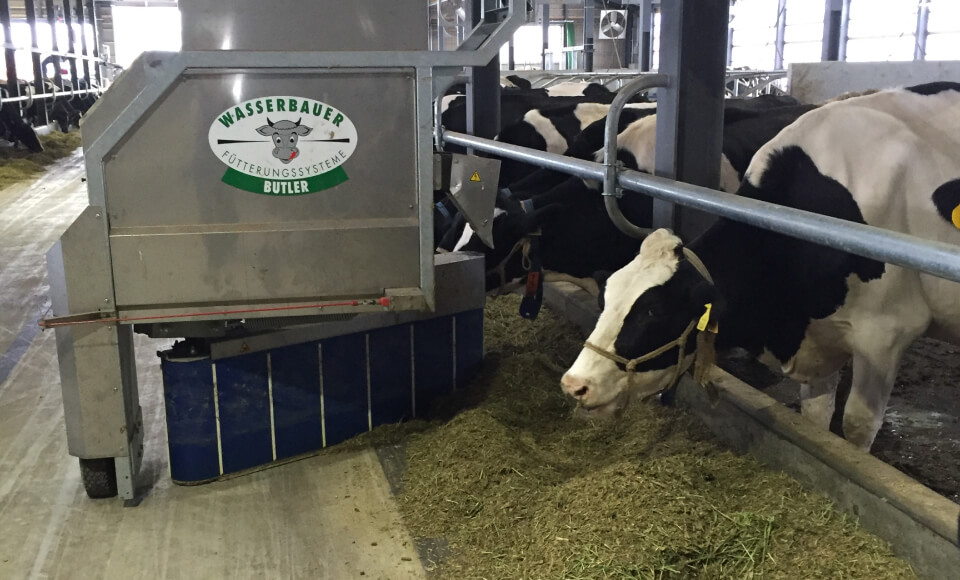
(646,304)
(509,228)
(285,135)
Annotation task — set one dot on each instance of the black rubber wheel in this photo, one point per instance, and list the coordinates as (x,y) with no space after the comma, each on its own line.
(99,477)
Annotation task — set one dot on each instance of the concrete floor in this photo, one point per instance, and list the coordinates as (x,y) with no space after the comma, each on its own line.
(323,517)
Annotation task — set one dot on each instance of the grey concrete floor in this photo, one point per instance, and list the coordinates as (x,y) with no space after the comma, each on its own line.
(325,517)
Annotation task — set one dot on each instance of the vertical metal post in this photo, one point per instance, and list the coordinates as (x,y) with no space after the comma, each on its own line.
(83,42)
(511,60)
(589,27)
(844,28)
(832,15)
(35,58)
(730,46)
(646,35)
(54,43)
(781,33)
(923,14)
(545,23)
(630,34)
(91,10)
(483,90)
(71,42)
(13,87)
(690,111)
(439,28)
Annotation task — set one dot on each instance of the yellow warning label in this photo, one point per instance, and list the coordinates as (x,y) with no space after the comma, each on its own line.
(475,176)
(956,216)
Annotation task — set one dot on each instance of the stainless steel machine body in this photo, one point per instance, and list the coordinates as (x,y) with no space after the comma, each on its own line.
(287,179)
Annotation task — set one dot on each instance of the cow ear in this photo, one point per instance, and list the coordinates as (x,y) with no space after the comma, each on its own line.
(303,131)
(703,292)
(600,277)
(265,130)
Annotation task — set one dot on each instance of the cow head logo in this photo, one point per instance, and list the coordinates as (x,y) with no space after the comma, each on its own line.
(285,135)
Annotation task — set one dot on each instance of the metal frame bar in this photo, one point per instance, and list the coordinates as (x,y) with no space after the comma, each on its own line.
(610,191)
(91,9)
(936,258)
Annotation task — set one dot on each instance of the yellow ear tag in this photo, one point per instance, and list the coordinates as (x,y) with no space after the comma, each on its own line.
(705,319)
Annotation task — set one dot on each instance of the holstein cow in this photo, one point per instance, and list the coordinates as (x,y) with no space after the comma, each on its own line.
(576,235)
(552,129)
(285,135)
(891,160)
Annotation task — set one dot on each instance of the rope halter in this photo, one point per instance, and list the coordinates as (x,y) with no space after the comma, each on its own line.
(704,351)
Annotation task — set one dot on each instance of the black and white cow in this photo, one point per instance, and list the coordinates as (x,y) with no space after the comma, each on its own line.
(577,236)
(552,129)
(891,160)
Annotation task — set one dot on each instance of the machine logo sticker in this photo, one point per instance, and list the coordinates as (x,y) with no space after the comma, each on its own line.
(283,145)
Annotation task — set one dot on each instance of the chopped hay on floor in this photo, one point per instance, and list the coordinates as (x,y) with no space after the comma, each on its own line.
(18,164)
(513,487)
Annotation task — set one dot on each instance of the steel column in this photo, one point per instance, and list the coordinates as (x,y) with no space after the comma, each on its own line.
(35,58)
(589,28)
(511,61)
(71,42)
(693,36)
(630,34)
(923,14)
(83,42)
(781,33)
(545,23)
(844,27)
(54,43)
(646,35)
(91,10)
(832,15)
(483,90)
(13,87)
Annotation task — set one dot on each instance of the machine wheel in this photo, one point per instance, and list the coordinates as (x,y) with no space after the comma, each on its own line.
(99,477)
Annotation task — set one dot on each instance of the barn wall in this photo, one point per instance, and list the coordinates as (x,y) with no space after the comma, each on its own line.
(814,82)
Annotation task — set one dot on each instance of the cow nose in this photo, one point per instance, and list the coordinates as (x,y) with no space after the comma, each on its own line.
(574,386)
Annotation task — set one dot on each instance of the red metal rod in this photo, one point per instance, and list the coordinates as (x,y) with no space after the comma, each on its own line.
(45,324)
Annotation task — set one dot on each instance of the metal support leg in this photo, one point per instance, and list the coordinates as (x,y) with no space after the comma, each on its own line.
(54,44)
(98,374)
(690,110)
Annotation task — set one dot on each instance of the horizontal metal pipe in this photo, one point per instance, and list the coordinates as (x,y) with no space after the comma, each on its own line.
(937,258)
(57,95)
(555,161)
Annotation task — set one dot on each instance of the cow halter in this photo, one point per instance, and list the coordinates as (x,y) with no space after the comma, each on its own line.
(704,351)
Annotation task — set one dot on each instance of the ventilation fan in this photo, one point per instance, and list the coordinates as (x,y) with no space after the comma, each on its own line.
(453,12)
(613,24)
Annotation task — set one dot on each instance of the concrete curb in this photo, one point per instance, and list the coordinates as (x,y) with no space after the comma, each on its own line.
(921,525)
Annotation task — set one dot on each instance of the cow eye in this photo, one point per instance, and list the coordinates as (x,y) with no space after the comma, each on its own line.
(291,139)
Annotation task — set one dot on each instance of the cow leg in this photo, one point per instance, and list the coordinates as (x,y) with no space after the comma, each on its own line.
(818,399)
(873,379)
